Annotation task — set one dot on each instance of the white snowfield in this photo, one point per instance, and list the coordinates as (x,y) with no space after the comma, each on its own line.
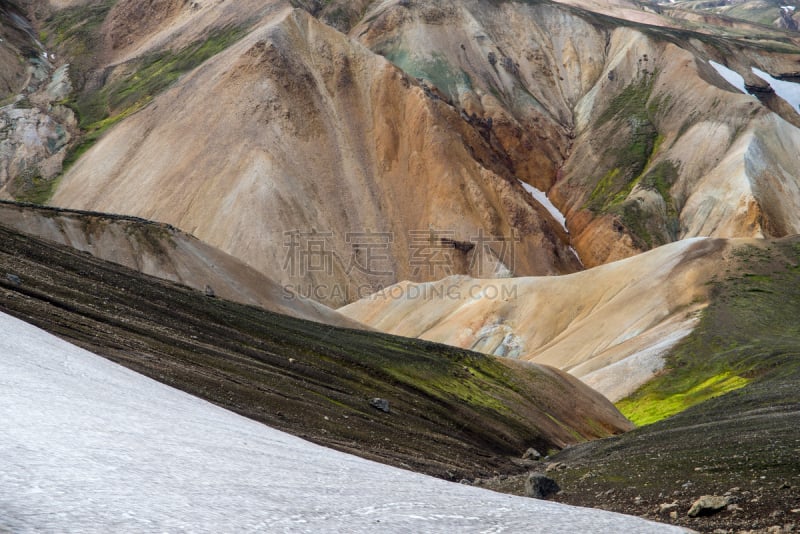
(730,76)
(89,446)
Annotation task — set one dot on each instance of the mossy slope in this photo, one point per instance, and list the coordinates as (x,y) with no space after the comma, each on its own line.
(453,413)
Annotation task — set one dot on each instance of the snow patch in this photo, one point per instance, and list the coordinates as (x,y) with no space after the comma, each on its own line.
(730,76)
(541,197)
(89,446)
(789,91)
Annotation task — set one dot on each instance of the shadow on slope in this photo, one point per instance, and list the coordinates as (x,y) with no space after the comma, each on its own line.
(453,413)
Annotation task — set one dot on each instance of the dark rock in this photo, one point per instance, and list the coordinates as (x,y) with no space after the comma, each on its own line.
(492,59)
(540,486)
(380,404)
(708,505)
(531,454)
(14,279)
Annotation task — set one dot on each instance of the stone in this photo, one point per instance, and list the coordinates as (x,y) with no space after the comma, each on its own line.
(380,404)
(708,505)
(14,279)
(531,454)
(667,507)
(540,486)
(555,466)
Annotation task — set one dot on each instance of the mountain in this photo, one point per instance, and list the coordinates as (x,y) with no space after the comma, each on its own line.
(452,413)
(723,417)
(609,326)
(164,252)
(228,121)
(609,187)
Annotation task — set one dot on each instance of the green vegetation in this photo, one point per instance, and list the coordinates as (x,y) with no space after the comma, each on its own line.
(31,187)
(630,160)
(149,76)
(749,333)
(650,407)
(98,110)
(75,33)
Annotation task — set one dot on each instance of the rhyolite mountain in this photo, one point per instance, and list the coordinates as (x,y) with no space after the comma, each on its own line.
(230,121)
(412,142)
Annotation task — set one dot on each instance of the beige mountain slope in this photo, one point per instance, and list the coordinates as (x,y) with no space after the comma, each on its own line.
(164,252)
(294,128)
(609,326)
(297,128)
(634,135)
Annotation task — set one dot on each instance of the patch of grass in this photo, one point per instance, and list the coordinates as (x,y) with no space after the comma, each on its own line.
(652,407)
(748,333)
(151,75)
(97,111)
(630,111)
(29,186)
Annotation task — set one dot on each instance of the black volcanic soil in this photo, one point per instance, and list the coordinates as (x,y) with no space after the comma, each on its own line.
(745,444)
(453,413)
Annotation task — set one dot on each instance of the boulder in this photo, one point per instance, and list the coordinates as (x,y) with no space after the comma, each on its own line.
(708,505)
(380,404)
(531,454)
(540,486)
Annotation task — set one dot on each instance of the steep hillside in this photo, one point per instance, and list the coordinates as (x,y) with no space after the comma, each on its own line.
(35,128)
(622,121)
(164,252)
(776,13)
(251,167)
(15,47)
(743,444)
(452,413)
(635,137)
(610,326)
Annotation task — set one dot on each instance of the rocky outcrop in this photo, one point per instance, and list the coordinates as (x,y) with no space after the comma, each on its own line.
(540,486)
(35,129)
(708,505)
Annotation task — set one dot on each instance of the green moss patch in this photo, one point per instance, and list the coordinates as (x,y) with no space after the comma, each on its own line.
(748,333)
(99,110)
(652,407)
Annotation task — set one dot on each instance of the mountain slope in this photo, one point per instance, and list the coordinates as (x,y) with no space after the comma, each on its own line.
(164,252)
(627,127)
(453,413)
(609,326)
(257,115)
(743,443)
(90,446)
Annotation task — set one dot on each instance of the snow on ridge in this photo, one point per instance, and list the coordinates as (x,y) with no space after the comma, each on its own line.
(789,91)
(90,446)
(542,198)
(730,76)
